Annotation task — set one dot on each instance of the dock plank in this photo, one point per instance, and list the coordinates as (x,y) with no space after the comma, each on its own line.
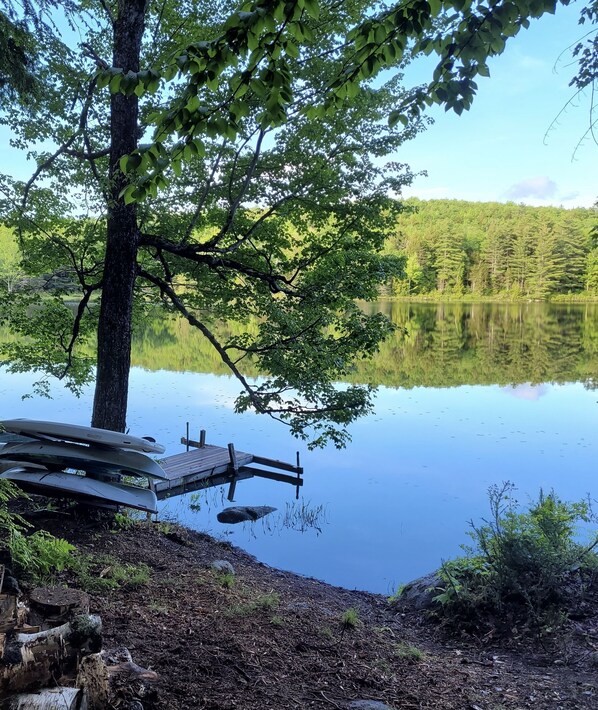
(209,465)
(198,460)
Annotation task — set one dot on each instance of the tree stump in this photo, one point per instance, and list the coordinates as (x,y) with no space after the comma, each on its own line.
(125,677)
(92,677)
(53,606)
(8,612)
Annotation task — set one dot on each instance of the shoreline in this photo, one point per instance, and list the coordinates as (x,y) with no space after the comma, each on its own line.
(451,299)
(265,638)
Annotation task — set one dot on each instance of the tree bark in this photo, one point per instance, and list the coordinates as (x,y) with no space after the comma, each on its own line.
(120,265)
(32,661)
(92,677)
(53,606)
(48,699)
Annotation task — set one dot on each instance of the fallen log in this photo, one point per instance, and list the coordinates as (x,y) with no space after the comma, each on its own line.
(32,661)
(48,699)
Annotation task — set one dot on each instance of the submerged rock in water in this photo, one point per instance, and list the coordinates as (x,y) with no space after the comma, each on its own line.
(244,513)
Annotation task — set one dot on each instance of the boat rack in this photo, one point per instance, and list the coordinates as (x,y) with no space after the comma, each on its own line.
(204,466)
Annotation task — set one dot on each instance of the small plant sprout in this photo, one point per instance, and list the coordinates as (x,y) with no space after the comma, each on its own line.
(408,652)
(350,618)
(226,579)
(397,595)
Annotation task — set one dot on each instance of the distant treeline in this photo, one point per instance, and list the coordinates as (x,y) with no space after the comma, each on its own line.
(452,249)
(457,248)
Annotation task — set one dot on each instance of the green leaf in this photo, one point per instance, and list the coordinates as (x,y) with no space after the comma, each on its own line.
(127,194)
(199,147)
(312,8)
(103,79)
(170,72)
(115,83)
(291,49)
(397,117)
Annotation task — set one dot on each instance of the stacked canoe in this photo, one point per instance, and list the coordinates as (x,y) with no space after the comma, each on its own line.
(84,463)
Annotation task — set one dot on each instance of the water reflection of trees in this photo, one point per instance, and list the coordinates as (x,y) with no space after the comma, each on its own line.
(435,345)
(455,344)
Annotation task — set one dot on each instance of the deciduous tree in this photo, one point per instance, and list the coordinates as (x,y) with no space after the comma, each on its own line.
(226,163)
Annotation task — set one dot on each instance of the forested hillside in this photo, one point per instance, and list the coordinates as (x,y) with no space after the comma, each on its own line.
(456,248)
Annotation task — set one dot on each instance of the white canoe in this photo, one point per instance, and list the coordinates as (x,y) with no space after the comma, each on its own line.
(70,485)
(55,454)
(81,434)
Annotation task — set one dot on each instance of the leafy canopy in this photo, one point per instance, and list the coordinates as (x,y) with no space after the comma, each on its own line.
(257,187)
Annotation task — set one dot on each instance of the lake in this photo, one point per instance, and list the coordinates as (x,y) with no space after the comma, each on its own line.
(470,395)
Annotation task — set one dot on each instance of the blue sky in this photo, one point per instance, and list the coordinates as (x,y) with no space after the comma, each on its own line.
(504,148)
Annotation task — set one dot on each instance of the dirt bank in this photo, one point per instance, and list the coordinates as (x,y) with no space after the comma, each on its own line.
(270,639)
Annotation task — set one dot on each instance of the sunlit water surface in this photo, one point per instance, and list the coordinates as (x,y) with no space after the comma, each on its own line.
(397,500)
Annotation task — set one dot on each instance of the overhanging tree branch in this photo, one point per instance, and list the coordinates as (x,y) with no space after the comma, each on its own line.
(65,146)
(167,291)
(277,283)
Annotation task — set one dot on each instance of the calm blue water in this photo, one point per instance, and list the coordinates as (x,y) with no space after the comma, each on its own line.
(398,499)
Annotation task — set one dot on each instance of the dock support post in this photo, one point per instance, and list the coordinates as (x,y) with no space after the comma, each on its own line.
(187,437)
(152,487)
(202,438)
(235,467)
(231,490)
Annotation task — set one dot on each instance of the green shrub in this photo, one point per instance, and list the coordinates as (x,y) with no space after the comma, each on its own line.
(38,557)
(521,562)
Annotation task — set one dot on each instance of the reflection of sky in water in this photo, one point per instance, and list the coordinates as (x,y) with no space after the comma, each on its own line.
(398,498)
(526,391)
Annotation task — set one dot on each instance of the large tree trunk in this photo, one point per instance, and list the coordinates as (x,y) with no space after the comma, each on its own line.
(120,267)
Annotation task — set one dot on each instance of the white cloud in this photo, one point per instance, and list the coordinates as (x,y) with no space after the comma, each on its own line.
(541,187)
(526,61)
(567,197)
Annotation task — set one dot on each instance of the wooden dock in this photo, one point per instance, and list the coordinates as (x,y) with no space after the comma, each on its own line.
(204,466)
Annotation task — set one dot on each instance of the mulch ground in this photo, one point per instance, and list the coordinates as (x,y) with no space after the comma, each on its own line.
(271,639)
